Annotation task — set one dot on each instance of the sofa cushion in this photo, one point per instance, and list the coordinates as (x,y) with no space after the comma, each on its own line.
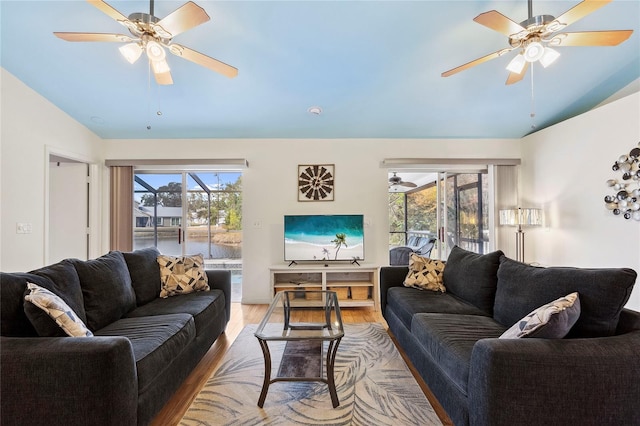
(473,277)
(182,275)
(66,284)
(603,293)
(13,318)
(49,314)
(156,342)
(60,278)
(145,273)
(550,321)
(425,273)
(449,340)
(203,306)
(406,302)
(106,287)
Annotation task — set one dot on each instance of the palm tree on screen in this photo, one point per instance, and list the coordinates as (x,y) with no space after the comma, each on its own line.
(341,239)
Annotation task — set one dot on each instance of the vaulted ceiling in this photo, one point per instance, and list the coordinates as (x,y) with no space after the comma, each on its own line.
(373,67)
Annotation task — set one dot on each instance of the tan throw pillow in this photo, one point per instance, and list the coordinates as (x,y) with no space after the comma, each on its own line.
(182,275)
(425,273)
(52,305)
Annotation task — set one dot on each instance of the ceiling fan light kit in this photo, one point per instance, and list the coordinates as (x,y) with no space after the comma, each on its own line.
(154,35)
(550,55)
(517,64)
(534,35)
(131,52)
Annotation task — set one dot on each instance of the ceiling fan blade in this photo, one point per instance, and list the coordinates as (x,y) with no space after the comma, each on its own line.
(163,78)
(475,62)
(515,77)
(187,16)
(161,71)
(408,184)
(592,38)
(498,22)
(105,8)
(204,60)
(579,11)
(120,38)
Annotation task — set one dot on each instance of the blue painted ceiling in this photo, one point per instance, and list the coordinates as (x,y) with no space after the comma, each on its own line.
(374,67)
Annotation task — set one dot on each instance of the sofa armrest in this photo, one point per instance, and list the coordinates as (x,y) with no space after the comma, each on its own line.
(390,276)
(221,279)
(68,380)
(555,381)
(629,321)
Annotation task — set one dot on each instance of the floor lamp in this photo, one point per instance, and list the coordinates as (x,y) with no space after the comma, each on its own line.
(520,218)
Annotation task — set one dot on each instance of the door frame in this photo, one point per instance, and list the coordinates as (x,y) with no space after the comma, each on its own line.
(93,201)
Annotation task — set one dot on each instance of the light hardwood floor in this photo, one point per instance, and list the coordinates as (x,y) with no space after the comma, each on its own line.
(242,315)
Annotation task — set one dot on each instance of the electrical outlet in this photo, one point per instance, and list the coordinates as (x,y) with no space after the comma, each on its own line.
(23,228)
(257,224)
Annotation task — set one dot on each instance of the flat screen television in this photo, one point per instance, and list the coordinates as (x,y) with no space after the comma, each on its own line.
(324,238)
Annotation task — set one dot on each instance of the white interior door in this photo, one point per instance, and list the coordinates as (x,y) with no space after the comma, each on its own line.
(68,210)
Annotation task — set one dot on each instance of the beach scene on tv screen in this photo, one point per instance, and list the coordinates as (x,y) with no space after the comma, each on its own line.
(332,237)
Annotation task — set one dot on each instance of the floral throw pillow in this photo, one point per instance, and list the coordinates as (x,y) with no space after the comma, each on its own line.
(182,275)
(550,321)
(425,273)
(56,308)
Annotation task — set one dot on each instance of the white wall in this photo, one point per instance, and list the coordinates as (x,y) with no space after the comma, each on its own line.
(31,126)
(270,185)
(564,170)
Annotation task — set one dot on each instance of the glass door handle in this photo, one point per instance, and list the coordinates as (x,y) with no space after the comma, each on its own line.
(179,235)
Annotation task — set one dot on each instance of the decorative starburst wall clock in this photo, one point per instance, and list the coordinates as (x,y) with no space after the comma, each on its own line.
(315,182)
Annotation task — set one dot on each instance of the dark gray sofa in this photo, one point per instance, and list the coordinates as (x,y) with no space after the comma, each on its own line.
(142,349)
(591,377)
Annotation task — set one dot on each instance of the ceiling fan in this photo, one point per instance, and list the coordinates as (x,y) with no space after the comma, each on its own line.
(397,181)
(153,35)
(535,36)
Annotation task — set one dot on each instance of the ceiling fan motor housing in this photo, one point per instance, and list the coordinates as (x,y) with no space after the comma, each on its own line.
(140,24)
(536,26)
(395,179)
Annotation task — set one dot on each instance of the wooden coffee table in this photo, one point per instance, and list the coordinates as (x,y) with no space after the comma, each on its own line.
(311,329)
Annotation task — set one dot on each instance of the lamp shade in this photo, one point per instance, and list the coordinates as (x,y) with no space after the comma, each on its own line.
(533,52)
(520,216)
(508,217)
(517,64)
(131,52)
(531,217)
(549,56)
(155,51)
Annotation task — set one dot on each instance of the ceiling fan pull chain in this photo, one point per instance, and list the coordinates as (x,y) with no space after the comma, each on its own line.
(533,102)
(149,95)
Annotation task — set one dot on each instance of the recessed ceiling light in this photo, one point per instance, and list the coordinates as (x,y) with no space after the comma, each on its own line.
(97,120)
(315,110)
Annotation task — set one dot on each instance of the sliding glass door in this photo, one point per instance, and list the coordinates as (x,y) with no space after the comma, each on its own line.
(464,212)
(189,213)
(449,207)
(158,212)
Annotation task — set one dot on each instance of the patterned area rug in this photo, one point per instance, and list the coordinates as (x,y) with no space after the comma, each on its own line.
(373,382)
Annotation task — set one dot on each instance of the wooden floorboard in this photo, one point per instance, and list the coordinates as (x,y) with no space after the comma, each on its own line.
(242,315)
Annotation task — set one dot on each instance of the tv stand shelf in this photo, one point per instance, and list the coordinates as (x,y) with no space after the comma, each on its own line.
(356,286)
